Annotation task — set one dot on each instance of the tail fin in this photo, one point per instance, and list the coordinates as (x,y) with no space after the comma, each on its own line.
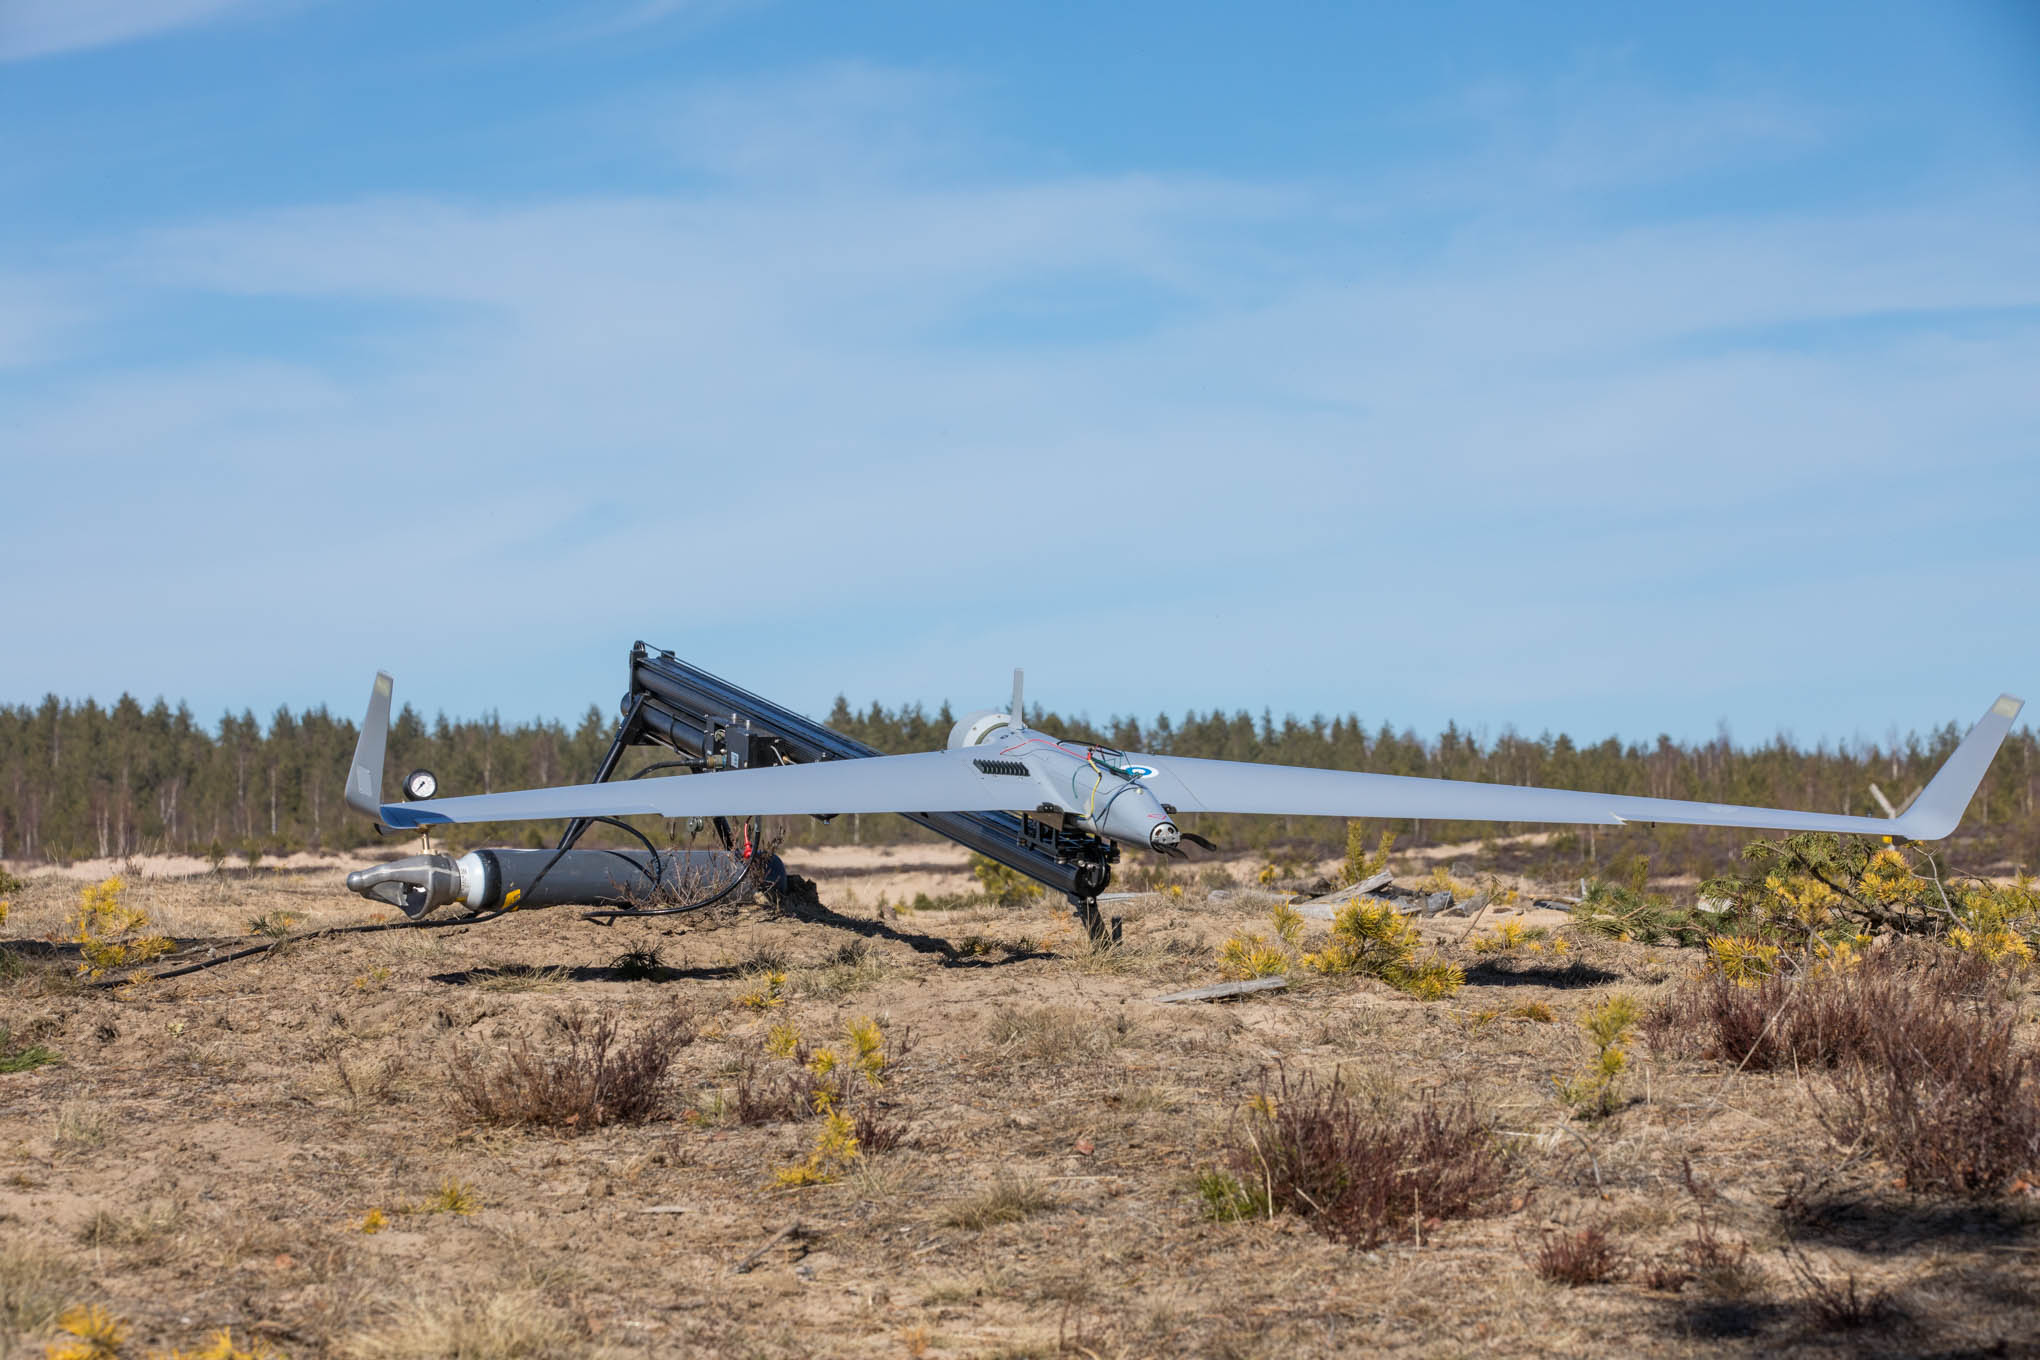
(364,776)
(1946,797)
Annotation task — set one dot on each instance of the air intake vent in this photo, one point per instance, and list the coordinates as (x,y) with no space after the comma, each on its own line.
(1012,767)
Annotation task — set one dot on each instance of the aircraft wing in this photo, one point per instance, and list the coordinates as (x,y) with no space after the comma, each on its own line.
(952,781)
(1192,785)
(936,781)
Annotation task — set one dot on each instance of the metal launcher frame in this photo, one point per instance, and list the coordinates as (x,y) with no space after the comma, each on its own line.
(713,725)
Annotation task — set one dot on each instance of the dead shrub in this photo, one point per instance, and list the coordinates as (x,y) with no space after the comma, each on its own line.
(877,1126)
(1586,1256)
(1920,1039)
(592,1076)
(1354,1173)
(1825,1014)
(1721,1264)
(1843,1307)
(1667,1274)
(1947,1095)
(770,1096)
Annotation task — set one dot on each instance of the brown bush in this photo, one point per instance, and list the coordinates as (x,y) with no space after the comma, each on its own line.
(1834,1307)
(1357,1175)
(1825,1016)
(771,1096)
(593,1076)
(1761,1026)
(1588,1256)
(878,1127)
(1921,1041)
(1947,1095)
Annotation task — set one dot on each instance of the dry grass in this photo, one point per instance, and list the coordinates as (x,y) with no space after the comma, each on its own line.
(80,1125)
(35,1286)
(855,967)
(497,976)
(475,1324)
(151,1223)
(1009,1199)
(1053,1034)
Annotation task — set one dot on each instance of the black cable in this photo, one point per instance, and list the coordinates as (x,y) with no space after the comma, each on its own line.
(607,915)
(694,765)
(658,860)
(657,871)
(557,855)
(364,929)
(745,867)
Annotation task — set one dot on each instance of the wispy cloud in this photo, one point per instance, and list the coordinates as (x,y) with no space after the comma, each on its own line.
(843,120)
(787,410)
(41,28)
(646,13)
(41,318)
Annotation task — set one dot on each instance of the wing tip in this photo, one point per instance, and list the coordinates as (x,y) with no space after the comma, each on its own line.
(2008,706)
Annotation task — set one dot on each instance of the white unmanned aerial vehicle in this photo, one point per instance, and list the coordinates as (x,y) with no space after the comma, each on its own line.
(767,761)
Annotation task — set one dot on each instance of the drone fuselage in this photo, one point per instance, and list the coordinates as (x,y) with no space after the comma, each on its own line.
(1091,786)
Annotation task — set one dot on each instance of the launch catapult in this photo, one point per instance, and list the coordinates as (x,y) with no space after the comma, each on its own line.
(706,724)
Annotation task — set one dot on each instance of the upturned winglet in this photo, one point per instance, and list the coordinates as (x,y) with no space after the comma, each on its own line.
(364,776)
(1939,808)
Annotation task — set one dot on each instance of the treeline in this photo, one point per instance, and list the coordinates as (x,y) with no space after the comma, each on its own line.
(84,780)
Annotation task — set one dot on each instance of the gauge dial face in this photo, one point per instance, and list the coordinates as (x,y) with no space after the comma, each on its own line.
(420,784)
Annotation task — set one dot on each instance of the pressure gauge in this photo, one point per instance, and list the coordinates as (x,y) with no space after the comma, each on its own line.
(419,784)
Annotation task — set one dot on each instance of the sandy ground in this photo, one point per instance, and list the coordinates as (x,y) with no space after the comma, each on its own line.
(208,1149)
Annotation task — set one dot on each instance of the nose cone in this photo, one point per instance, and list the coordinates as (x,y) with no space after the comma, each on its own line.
(1164,836)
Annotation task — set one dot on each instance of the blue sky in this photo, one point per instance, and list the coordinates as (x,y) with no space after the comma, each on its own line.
(1608,369)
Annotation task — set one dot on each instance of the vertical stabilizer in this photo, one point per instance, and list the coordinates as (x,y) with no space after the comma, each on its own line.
(1939,807)
(364,775)
(1019,713)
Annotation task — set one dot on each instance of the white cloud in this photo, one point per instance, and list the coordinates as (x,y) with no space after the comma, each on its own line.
(41,28)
